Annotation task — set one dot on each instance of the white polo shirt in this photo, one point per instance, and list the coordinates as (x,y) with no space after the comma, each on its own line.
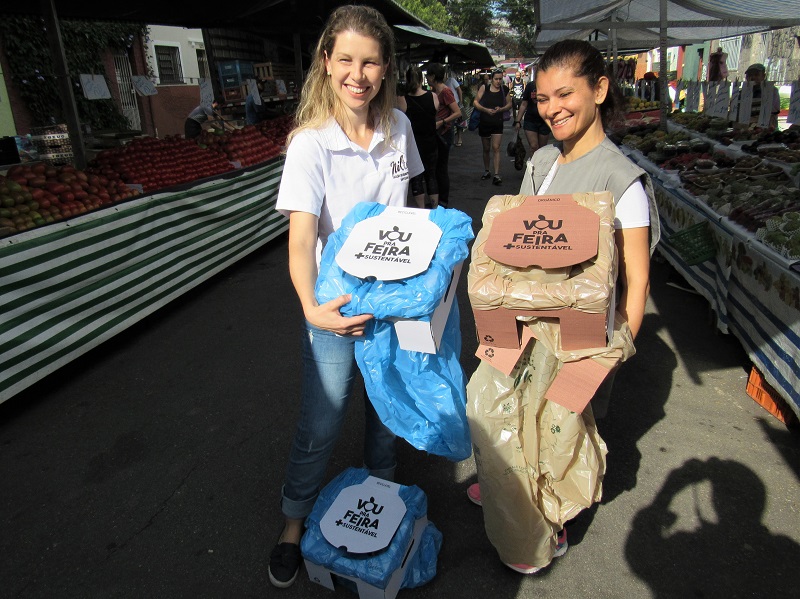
(326,174)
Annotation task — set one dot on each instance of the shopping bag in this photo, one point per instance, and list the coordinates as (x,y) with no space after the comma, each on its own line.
(474,119)
(519,154)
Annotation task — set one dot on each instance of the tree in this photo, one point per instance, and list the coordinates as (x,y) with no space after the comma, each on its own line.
(470,19)
(431,12)
(518,40)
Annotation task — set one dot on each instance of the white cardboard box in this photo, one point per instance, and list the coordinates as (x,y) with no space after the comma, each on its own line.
(425,336)
(330,526)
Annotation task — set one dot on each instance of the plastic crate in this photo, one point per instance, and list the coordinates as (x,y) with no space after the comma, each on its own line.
(695,243)
(765,396)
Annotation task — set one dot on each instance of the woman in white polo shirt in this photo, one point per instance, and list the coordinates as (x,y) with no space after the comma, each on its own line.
(350,145)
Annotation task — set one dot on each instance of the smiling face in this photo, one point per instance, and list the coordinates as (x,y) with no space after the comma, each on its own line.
(356,68)
(571,107)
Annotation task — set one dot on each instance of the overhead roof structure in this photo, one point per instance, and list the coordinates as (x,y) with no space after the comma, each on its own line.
(275,17)
(636,24)
(425,45)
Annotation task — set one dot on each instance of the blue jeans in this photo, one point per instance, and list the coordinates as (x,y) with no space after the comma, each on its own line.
(329,372)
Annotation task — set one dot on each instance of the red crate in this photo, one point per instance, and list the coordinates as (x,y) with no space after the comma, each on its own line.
(765,396)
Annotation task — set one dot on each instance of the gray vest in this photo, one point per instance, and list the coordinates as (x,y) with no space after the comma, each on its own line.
(604,168)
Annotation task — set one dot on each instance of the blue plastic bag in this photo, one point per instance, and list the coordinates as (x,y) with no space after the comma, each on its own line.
(418,396)
(377,568)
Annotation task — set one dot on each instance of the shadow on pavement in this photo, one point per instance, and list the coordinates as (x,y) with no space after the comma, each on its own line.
(702,536)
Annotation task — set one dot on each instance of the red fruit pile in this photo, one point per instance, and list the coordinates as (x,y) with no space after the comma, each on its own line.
(35,195)
(158,163)
(247,146)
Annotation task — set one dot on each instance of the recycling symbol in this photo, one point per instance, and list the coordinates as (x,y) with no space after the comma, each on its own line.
(488,339)
(489,353)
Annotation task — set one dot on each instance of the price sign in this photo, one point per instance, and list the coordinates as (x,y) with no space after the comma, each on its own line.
(693,96)
(733,108)
(794,104)
(143,85)
(768,92)
(95,87)
(252,90)
(709,96)
(281,86)
(746,102)
(721,100)
(206,93)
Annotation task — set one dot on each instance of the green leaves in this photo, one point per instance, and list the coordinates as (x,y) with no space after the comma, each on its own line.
(28,51)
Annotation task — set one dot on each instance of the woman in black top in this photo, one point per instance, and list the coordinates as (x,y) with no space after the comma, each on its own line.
(492,101)
(420,107)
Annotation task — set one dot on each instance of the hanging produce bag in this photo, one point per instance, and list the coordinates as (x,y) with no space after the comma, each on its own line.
(539,464)
(418,396)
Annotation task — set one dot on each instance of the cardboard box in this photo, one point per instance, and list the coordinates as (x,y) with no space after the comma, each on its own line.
(397,244)
(549,231)
(425,336)
(347,524)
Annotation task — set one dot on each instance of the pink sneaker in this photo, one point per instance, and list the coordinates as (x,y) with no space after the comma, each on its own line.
(561,549)
(474,494)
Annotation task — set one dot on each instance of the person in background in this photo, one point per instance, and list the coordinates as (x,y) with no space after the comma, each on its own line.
(253,113)
(447,116)
(756,74)
(492,101)
(578,101)
(517,89)
(536,130)
(421,106)
(350,145)
(455,87)
(200,115)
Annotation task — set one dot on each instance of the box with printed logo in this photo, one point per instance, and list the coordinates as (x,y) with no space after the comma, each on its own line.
(398,244)
(546,232)
(363,520)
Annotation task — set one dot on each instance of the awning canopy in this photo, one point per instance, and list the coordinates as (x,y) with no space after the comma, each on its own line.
(265,17)
(422,45)
(634,24)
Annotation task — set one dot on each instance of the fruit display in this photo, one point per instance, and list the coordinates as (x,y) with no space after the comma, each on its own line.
(35,195)
(158,163)
(753,188)
(247,146)
(639,105)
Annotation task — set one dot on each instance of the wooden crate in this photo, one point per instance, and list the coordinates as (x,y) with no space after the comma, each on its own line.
(274,70)
(233,94)
(765,396)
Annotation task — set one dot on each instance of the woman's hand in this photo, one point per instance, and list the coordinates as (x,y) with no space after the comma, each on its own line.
(327,316)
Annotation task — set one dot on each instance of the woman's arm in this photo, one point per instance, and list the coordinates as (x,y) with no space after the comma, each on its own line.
(455,114)
(303,272)
(633,247)
(523,107)
(402,104)
(477,101)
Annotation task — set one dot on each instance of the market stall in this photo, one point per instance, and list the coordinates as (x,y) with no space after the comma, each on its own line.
(67,287)
(734,200)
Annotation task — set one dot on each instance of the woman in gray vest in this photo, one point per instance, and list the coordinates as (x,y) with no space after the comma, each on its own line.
(577,100)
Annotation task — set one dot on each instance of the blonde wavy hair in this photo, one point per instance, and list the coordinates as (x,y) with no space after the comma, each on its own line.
(318,102)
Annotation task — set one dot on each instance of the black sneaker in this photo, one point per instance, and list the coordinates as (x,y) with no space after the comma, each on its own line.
(486,175)
(284,565)
(497,180)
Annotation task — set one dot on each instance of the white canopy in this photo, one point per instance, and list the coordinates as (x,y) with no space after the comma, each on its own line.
(635,24)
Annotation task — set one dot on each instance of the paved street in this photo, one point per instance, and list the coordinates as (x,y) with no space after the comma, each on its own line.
(151,467)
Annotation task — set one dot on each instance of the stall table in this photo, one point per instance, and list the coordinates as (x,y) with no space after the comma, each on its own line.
(754,292)
(67,287)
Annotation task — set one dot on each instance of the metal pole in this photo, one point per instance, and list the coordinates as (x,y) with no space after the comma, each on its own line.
(662,64)
(63,81)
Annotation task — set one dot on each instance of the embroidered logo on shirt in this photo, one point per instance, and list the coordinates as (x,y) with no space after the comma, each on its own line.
(400,168)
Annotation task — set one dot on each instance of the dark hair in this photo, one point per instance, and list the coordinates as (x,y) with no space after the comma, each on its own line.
(413,78)
(436,70)
(586,61)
